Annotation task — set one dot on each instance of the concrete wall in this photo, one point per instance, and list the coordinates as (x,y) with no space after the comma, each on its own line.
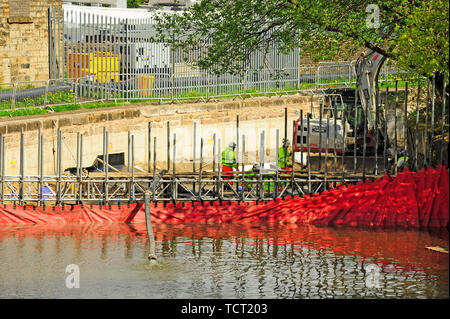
(24,39)
(255,115)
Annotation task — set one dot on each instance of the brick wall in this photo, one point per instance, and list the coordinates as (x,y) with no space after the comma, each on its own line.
(24,39)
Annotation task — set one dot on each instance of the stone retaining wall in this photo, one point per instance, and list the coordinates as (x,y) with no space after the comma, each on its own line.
(255,115)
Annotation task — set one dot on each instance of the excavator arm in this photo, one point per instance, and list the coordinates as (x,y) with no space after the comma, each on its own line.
(367,68)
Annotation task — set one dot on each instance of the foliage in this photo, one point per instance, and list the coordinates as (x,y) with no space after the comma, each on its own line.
(133,3)
(322,28)
(423,43)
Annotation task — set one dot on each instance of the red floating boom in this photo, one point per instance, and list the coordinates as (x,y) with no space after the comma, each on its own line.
(410,200)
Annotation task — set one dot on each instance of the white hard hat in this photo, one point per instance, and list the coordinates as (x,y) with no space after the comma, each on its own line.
(232,144)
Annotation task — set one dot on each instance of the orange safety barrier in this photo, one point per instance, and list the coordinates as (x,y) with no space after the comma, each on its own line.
(411,200)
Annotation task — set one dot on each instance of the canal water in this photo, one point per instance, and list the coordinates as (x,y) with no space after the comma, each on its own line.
(221,261)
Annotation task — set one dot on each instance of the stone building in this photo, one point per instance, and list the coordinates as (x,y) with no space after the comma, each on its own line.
(24,39)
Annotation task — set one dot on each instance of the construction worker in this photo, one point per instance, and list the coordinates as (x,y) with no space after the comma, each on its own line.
(284,155)
(250,174)
(229,159)
(402,161)
(268,185)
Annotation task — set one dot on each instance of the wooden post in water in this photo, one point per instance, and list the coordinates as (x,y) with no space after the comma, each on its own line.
(148,222)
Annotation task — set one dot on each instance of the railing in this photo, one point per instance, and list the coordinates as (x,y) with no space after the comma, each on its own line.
(119,58)
(166,87)
(40,94)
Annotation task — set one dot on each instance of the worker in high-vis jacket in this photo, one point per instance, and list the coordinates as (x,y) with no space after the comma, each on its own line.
(229,159)
(268,178)
(285,155)
(402,161)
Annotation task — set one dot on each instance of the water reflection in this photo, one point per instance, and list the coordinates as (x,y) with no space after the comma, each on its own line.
(221,261)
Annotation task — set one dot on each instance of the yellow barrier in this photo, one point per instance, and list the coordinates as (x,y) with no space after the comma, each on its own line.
(145,83)
(102,67)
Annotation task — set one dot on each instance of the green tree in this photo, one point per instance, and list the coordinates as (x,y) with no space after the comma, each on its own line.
(412,33)
(133,3)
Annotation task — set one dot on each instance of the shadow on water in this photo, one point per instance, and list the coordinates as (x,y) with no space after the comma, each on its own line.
(222,261)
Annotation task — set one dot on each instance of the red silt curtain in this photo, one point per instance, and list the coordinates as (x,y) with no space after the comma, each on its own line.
(409,200)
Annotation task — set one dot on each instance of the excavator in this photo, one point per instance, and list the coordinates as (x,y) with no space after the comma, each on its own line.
(339,105)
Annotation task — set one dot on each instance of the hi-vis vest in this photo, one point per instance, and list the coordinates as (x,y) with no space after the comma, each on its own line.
(228,157)
(402,160)
(282,155)
(268,183)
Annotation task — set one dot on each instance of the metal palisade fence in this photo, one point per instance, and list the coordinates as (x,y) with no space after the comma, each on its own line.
(113,51)
(117,58)
(108,54)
